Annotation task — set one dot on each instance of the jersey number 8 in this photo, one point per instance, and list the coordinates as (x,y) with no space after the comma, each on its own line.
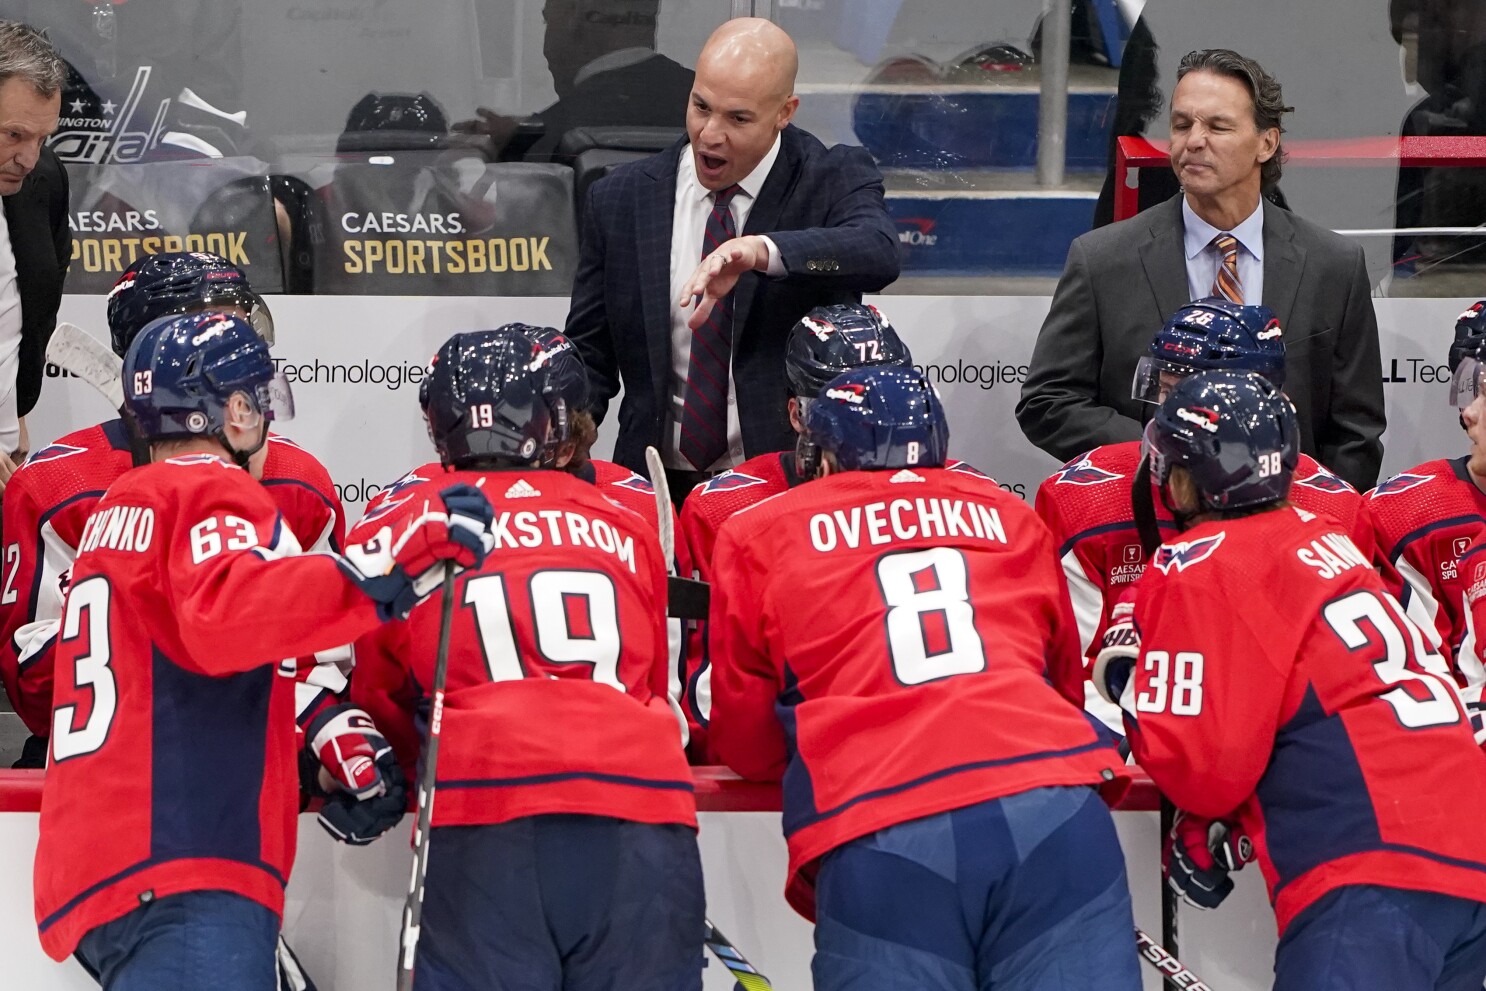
(931,630)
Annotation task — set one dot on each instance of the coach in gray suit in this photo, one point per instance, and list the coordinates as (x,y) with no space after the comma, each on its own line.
(1220,237)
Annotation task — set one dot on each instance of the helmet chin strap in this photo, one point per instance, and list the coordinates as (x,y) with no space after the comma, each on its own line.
(243,456)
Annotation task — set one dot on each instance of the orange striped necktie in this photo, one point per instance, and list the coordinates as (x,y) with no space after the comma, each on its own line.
(1226,284)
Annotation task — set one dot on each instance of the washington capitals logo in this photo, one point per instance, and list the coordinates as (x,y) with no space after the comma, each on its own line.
(1199,416)
(637,483)
(1182,556)
(1324,481)
(384,508)
(965,469)
(730,480)
(1401,482)
(1083,472)
(54,452)
(1271,330)
(851,392)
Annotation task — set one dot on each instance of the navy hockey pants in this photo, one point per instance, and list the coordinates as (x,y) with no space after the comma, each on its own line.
(1022,893)
(1367,937)
(186,942)
(562,903)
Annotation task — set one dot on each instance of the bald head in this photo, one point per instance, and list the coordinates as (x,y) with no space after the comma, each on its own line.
(744,95)
(757,48)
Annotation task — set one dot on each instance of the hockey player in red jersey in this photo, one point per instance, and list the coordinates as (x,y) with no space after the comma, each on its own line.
(168,815)
(942,827)
(563,851)
(1333,738)
(824,343)
(51,497)
(1425,517)
(569,378)
(1087,503)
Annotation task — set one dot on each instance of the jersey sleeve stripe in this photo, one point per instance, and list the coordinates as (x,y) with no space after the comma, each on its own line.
(1424,531)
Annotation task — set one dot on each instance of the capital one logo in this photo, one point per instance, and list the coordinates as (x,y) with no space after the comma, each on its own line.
(917,231)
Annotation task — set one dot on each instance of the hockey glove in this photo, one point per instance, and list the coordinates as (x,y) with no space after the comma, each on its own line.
(1199,855)
(398,571)
(358,821)
(346,746)
(1118,651)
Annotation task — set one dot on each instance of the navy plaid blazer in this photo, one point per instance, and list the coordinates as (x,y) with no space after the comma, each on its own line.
(823,208)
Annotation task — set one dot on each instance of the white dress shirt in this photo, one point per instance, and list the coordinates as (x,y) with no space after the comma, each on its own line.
(688,228)
(10,343)
(1204,260)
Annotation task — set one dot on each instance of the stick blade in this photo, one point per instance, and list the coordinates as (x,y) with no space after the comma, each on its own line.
(75,350)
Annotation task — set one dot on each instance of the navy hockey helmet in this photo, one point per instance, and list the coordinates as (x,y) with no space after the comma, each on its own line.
(489,395)
(1468,356)
(1233,431)
(876,418)
(180,282)
(1212,334)
(832,339)
(564,364)
(180,372)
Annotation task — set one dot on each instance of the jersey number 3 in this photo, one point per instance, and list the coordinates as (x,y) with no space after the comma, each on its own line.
(87,616)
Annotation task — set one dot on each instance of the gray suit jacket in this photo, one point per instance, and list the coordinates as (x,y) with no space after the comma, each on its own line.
(1121,283)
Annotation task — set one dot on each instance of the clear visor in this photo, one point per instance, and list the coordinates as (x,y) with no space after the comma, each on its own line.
(276,399)
(1468,382)
(1154,378)
(244,304)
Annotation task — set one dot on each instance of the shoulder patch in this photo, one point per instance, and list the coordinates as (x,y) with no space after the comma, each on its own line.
(53,452)
(967,469)
(728,481)
(1324,481)
(1184,555)
(1401,482)
(280,439)
(1083,472)
(382,509)
(636,483)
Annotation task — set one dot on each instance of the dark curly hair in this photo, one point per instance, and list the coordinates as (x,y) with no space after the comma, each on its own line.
(1264,90)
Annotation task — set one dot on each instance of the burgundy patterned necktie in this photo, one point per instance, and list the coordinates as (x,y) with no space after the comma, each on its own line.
(1226,284)
(704,413)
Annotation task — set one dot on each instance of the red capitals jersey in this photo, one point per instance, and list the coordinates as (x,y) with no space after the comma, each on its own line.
(1334,736)
(556,693)
(46,505)
(173,764)
(711,504)
(887,643)
(1423,520)
(1086,504)
(617,482)
(48,501)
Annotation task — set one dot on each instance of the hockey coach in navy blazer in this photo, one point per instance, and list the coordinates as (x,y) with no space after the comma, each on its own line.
(809,228)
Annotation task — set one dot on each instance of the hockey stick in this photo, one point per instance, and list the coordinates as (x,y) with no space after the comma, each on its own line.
(686,598)
(1176,973)
(412,913)
(78,352)
(747,976)
(744,973)
(1169,939)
